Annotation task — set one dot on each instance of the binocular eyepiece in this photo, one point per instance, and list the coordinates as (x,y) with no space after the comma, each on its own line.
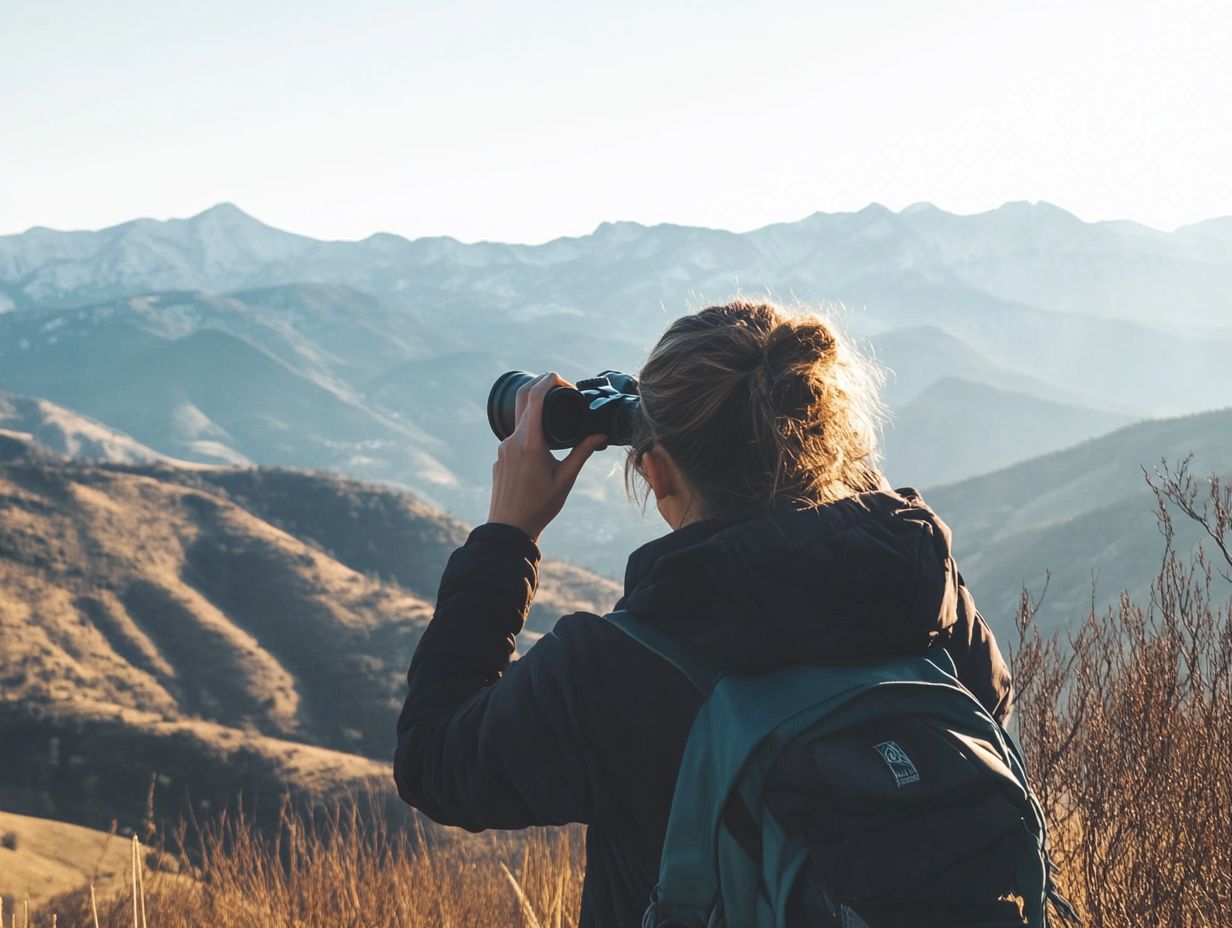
(607,404)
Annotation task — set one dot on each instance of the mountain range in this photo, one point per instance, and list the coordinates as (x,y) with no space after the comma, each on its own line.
(1020,254)
(219,339)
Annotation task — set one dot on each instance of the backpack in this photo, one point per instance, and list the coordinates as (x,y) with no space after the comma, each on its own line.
(847,795)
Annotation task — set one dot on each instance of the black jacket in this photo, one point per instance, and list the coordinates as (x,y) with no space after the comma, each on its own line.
(590,727)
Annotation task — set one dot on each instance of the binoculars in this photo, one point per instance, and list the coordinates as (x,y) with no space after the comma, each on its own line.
(607,404)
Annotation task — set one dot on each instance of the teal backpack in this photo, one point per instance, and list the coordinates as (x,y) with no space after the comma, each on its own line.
(847,795)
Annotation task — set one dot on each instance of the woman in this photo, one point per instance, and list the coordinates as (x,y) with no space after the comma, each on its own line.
(758,445)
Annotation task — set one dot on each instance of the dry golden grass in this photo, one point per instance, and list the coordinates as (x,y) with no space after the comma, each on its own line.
(342,870)
(1127,723)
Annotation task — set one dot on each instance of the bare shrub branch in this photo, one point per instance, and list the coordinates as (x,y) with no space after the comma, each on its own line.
(1127,724)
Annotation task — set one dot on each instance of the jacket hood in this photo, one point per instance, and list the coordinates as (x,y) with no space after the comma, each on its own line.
(865,576)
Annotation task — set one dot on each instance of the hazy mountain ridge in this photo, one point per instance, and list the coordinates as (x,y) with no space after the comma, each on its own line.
(1082,515)
(220,381)
(624,281)
(63,431)
(374,357)
(959,427)
(1034,254)
(216,249)
(918,357)
(199,379)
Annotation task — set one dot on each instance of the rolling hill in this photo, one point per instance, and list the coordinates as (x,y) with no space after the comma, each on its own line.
(1085,515)
(223,628)
(173,373)
(49,858)
(916,358)
(63,431)
(960,428)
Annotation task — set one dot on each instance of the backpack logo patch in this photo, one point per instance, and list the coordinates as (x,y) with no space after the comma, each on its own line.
(899,763)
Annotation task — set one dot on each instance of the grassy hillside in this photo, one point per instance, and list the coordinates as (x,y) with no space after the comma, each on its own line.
(142,593)
(48,858)
(96,763)
(381,531)
(153,615)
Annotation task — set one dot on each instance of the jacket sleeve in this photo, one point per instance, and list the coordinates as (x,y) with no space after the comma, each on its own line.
(981,668)
(484,742)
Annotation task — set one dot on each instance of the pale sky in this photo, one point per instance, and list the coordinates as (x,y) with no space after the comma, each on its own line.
(522,121)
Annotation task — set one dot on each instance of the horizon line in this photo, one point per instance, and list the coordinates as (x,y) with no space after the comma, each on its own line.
(917,206)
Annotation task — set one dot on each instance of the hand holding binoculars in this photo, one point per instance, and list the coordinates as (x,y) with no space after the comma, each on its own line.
(607,404)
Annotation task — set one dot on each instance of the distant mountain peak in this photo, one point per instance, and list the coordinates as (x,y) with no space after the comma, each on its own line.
(1036,208)
(225,213)
(619,225)
(875,209)
(615,233)
(221,218)
(225,208)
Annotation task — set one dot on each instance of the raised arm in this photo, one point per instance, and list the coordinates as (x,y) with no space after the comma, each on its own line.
(484,742)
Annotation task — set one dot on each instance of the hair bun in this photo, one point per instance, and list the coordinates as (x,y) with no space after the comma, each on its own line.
(796,353)
(756,405)
(798,344)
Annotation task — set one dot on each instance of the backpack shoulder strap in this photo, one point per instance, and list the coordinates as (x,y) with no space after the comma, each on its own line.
(701,674)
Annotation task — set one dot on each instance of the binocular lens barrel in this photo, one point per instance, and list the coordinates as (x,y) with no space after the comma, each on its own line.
(564,411)
(503,400)
(604,405)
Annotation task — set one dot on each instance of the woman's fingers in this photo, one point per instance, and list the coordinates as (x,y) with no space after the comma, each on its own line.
(531,417)
(568,469)
(529,485)
(522,397)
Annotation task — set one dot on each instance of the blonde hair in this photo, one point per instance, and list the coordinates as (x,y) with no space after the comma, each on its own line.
(758,405)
